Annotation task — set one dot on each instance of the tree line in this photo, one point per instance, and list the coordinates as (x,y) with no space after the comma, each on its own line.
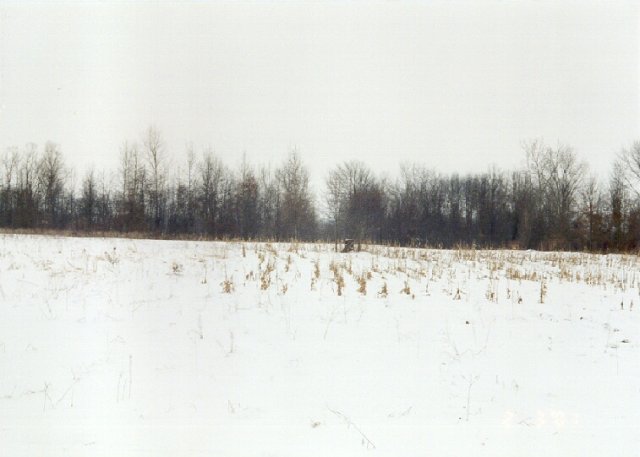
(552,202)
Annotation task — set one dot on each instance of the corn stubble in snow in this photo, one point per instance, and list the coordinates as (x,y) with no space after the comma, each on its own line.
(133,347)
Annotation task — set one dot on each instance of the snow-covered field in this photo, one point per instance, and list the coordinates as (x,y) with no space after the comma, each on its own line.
(112,347)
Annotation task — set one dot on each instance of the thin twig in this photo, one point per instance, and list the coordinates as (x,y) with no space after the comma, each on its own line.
(350,423)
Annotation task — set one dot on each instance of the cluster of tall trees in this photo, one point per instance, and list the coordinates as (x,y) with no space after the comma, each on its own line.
(150,194)
(550,203)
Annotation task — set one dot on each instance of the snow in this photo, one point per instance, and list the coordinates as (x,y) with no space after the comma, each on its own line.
(134,348)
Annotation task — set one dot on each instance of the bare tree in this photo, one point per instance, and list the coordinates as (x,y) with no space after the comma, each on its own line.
(566,173)
(358,200)
(132,193)
(51,183)
(269,198)
(629,159)
(154,149)
(557,174)
(105,205)
(591,203)
(297,216)
(27,204)
(191,186)
(247,201)
(88,207)
(10,163)
(618,202)
(334,197)
(211,176)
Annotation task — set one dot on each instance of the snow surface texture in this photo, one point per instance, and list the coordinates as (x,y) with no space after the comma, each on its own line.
(170,348)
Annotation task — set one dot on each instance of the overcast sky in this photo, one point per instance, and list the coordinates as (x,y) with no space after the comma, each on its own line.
(456,86)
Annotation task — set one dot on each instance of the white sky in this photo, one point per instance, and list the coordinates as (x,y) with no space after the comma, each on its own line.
(456,86)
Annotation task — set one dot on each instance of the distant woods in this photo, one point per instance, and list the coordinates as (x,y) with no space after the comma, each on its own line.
(551,203)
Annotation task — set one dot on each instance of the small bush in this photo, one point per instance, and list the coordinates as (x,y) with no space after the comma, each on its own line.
(176,268)
(362,284)
(406,289)
(265,276)
(227,285)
